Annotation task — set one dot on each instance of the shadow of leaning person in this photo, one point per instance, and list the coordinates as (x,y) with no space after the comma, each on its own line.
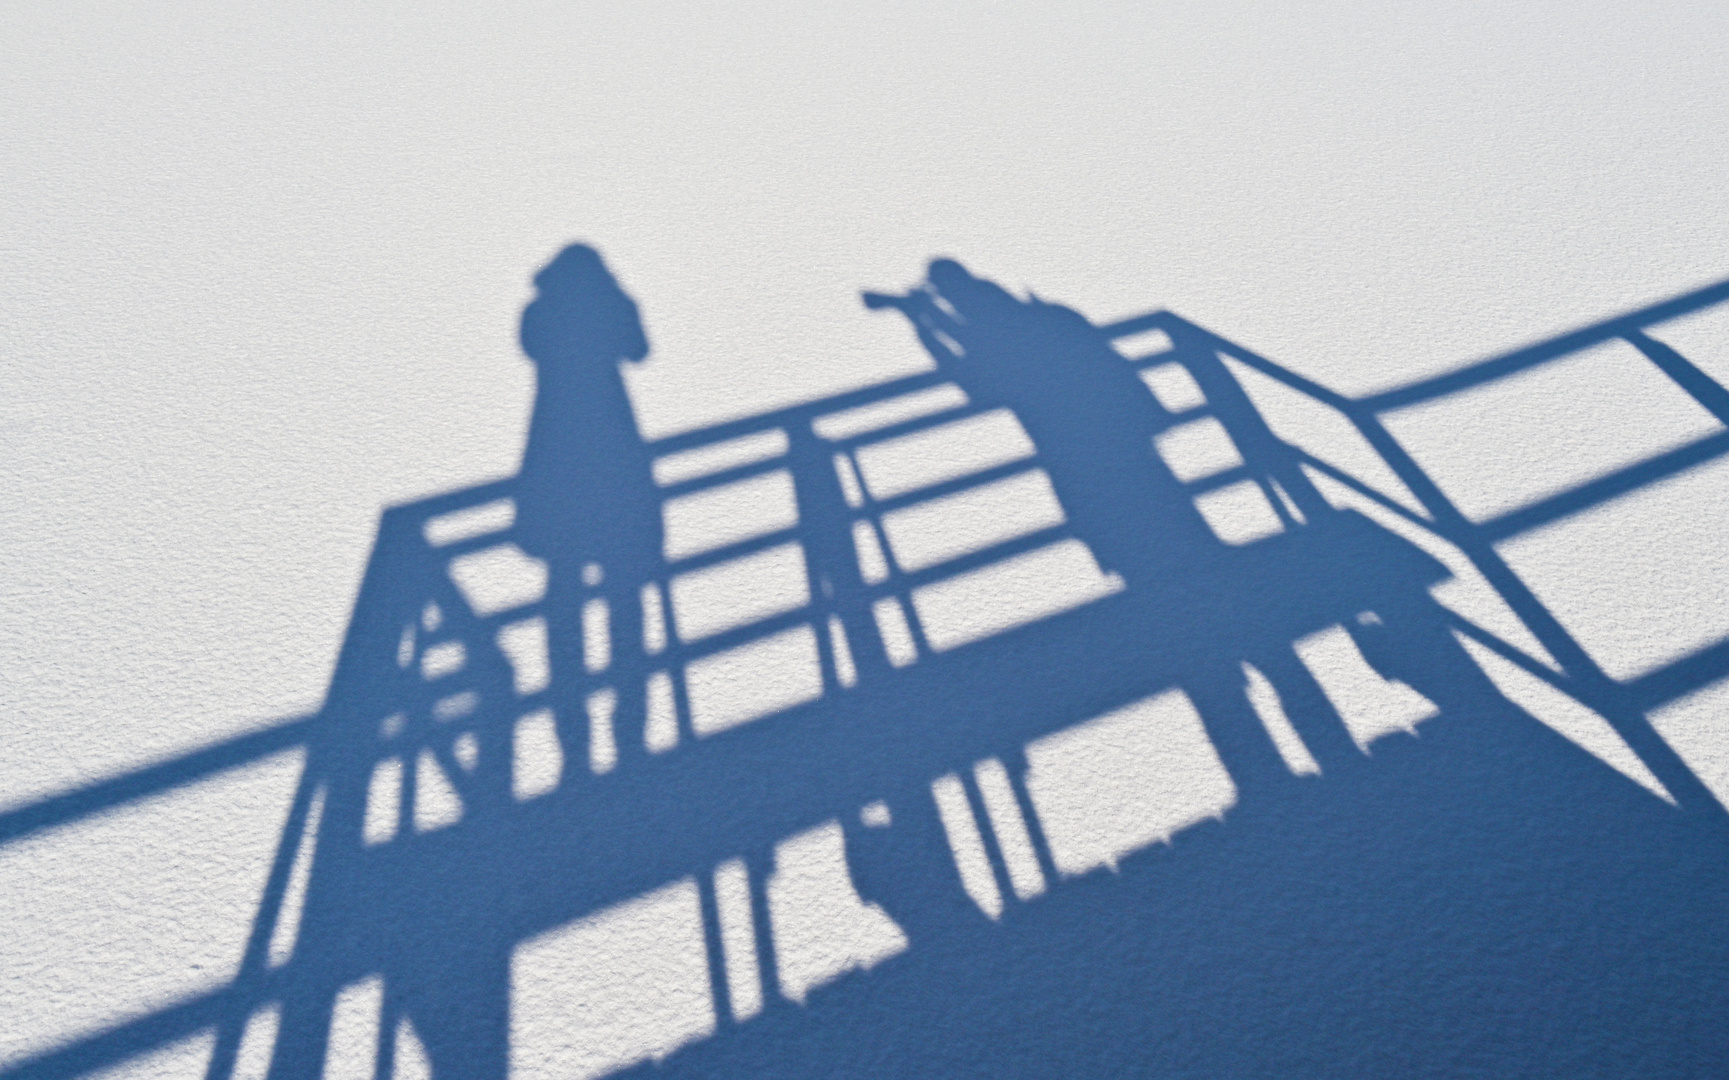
(1093,423)
(1098,431)
(586,496)
(1085,409)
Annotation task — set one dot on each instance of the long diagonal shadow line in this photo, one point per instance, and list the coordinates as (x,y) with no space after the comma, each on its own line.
(1512,363)
(142,783)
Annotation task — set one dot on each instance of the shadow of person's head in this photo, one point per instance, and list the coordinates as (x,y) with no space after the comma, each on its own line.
(974,298)
(581,314)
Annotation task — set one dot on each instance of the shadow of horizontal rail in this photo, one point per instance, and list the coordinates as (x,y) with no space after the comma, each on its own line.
(154,779)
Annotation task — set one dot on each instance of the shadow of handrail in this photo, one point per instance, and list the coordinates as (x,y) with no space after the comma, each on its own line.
(599,839)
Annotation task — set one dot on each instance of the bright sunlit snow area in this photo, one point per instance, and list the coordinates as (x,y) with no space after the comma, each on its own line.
(285,785)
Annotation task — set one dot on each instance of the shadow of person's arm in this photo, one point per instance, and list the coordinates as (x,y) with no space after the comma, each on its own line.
(938,331)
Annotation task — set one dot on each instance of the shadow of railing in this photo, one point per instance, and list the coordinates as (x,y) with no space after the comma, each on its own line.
(1427,508)
(835,623)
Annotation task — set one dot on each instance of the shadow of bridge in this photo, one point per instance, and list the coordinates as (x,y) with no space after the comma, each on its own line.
(956,627)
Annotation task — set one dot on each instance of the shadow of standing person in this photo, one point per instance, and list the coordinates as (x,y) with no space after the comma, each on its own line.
(586,497)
